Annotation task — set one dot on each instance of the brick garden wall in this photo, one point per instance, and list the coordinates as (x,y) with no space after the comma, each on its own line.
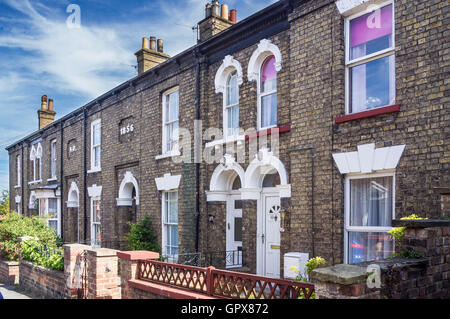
(9,272)
(46,282)
(400,278)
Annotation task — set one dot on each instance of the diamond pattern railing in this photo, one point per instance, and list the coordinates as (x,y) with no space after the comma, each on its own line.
(234,285)
(222,283)
(181,276)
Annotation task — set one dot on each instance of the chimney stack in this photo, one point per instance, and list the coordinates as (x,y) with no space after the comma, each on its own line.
(46,115)
(150,55)
(217,19)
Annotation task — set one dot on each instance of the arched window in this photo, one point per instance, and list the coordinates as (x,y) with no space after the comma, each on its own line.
(268,94)
(231,108)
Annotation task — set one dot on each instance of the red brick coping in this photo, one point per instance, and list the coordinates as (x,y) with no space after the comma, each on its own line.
(137,255)
(165,291)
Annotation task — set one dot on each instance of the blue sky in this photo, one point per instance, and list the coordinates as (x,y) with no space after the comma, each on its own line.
(40,55)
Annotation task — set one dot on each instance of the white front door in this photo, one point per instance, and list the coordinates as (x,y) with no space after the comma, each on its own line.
(234,232)
(271,235)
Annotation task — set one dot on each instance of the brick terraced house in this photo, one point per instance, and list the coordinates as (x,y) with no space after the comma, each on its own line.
(356,91)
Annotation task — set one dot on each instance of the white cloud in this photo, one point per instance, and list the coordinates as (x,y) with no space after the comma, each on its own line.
(90,60)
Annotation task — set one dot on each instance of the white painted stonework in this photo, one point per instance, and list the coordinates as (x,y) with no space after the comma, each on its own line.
(73,196)
(168,182)
(368,159)
(223,177)
(32,201)
(229,65)
(265,49)
(126,190)
(265,163)
(95,191)
(350,7)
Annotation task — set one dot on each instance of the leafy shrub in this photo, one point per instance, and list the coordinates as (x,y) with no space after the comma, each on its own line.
(15,226)
(312,264)
(4,204)
(142,236)
(398,233)
(41,254)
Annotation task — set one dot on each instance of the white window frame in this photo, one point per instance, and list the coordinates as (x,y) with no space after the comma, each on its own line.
(226,106)
(347,227)
(19,170)
(262,95)
(368,58)
(58,212)
(95,168)
(36,154)
(53,160)
(164,223)
(93,239)
(175,150)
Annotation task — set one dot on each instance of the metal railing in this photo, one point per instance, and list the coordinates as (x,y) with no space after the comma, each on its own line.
(218,259)
(47,251)
(222,283)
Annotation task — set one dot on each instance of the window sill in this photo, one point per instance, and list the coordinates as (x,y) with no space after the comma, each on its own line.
(227,140)
(94,170)
(167,155)
(35,182)
(366,114)
(53,179)
(17,186)
(268,131)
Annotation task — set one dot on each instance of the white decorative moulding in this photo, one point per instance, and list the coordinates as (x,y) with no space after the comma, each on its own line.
(368,159)
(73,196)
(168,182)
(265,49)
(95,191)
(350,7)
(126,190)
(229,64)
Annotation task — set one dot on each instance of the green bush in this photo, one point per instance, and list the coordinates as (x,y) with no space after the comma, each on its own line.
(4,203)
(15,226)
(312,264)
(142,236)
(398,233)
(42,254)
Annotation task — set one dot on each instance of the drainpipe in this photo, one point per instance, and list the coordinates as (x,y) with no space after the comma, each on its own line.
(22,183)
(85,173)
(197,165)
(295,149)
(61,166)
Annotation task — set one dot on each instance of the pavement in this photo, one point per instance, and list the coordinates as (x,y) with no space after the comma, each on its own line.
(12,292)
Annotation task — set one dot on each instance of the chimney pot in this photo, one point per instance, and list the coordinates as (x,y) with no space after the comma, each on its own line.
(145,43)
(160,45)
(224,12)
(44,102)
(215,8)
(153,43)
(208,10)
(233,14)
(50,105)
